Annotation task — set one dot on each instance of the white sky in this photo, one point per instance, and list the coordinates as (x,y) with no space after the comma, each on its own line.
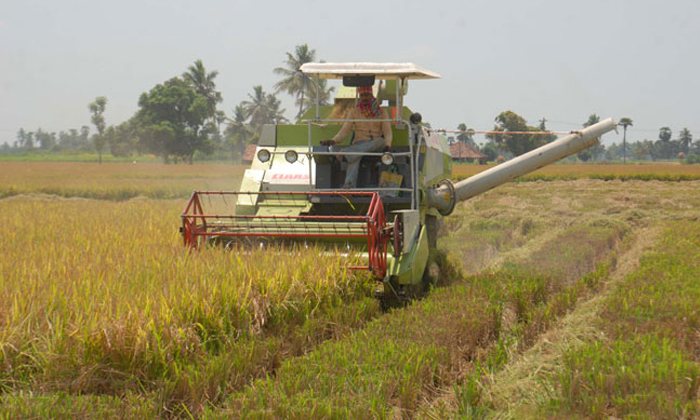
(558,59)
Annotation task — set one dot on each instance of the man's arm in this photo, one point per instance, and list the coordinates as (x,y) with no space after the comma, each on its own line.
(347,128)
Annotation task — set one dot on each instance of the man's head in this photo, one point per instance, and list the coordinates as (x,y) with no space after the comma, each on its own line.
(365,94)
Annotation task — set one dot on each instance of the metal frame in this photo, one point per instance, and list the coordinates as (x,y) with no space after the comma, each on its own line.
(197,225)
(412,153)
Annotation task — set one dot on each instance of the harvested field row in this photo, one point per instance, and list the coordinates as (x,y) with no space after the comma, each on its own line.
(530,385)
(397,362)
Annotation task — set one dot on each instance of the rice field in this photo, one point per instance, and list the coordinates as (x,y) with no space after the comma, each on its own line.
(559,299)
(115,181)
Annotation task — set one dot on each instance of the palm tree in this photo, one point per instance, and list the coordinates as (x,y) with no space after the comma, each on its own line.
(468,135)
(261,109)
(275,114)
(665,134)
(309,99)
(255,109)
(624,122)
(592,119)
(685,138)
(238,132)
(203,83)
(295,82)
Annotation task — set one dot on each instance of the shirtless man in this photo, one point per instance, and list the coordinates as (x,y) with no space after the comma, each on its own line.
(370,136)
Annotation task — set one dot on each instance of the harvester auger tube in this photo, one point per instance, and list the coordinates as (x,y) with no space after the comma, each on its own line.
(444,197)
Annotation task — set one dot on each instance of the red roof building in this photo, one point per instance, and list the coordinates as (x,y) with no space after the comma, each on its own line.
(462,152)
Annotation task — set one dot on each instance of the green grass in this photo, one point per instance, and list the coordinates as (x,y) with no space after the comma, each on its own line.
(649,366)
(645,376)
(25,405)
(531,293)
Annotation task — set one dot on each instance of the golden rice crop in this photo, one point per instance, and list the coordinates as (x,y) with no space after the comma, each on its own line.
(103,297)
(115,180)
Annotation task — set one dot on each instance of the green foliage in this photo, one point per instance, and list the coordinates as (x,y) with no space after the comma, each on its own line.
(517,144)
(203,83)
(299,84)
(643,376)
(595,151)
(52,405)
(97,109)
(692,159)
(467,136)
(262,108)
(172,117)
(123,139)
(685,139)
(649,365)
(491,150)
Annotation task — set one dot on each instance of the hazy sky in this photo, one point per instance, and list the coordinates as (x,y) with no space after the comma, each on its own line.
(561,60)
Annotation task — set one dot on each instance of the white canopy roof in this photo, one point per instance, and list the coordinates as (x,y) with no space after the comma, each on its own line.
(380,70)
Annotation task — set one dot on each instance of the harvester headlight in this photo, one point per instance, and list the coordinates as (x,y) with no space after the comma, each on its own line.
(387,159)
(263,155)
(291,156)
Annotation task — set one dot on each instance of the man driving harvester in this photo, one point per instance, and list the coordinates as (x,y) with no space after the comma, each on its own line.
(371,134)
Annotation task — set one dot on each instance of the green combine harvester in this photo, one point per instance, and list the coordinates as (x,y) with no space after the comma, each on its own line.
(292,191)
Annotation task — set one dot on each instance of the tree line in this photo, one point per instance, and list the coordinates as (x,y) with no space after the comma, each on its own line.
(502,143)
(180,117)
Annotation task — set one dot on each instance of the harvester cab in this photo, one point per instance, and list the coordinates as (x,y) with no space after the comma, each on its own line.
(389,223)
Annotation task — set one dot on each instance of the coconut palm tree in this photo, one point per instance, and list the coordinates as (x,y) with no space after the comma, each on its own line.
(262,108)
(311,96)
(467,135)
(238,132)
(592,119)
(685,138)
(295,82)
(203,83)
(625,122)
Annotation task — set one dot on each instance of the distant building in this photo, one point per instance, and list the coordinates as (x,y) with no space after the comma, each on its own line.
(462,152)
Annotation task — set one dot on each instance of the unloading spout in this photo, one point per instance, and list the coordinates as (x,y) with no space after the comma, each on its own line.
(444,197)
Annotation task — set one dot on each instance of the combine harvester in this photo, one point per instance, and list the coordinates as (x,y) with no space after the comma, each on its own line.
(292,191)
